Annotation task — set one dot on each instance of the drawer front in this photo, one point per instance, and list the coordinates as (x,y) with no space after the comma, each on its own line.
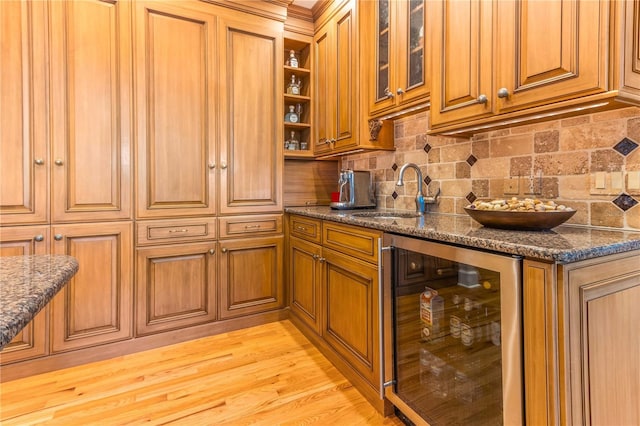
(238,226)
(305,228)
(153,232)
(358,242)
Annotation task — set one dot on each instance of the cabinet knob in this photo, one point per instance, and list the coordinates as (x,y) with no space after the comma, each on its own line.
(388,93)
(212,165)
(316,257)
(39,238)
(212,251)
(224,250)
(57,237)
(321,259)
(333,140)
(399,91)
(482,99)
(223,165)
(39,161)
(503,93)
(58,162)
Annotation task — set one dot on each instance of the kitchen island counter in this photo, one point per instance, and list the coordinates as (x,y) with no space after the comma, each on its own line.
(563,244)
(27,284)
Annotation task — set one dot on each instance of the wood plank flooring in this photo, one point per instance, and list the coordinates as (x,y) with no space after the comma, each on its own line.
(265,375)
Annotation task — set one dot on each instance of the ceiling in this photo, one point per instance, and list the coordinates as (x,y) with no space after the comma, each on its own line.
(308,4)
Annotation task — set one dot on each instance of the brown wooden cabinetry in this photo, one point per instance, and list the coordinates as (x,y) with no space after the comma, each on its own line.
(32,341)
(251,159)
(336,93)
(250,276)
(90,110)
(395,56)
(176,121)
(24,154)
(628,17)
(299,96)
(96,306)
(334,293)
(175,286)
(581,346)
(499,66)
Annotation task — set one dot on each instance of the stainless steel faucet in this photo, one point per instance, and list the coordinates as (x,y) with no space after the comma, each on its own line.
(420,198)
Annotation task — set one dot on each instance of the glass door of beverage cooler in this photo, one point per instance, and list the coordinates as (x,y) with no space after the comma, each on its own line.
(453,347)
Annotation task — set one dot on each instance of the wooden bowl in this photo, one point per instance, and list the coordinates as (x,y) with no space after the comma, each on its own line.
(524,221)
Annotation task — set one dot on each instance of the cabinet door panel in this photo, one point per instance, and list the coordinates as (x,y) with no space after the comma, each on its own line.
(95,307)
(352,318)
(251,276)
(175,287)
(325,92)
(304,280)
(23,109)
(91,114)
(252,138)
(346,53)
(176,87)
(631,53)
(461,60)
(31,341)
(563,61)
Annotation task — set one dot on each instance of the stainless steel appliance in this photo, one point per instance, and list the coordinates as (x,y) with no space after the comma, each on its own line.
(356,190)
(452,333)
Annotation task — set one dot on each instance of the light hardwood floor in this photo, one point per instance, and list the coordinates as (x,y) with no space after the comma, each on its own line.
(265,375)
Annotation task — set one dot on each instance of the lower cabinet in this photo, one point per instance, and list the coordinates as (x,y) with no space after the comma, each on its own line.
(351,309)
(334,293)
(96,306)
(305,279)
(250,276)
(175,286)
(581,341)
(31,342)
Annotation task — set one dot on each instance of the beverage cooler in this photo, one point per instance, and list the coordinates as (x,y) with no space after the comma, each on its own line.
(452,333)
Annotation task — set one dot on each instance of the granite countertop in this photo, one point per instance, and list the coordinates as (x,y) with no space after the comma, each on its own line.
(563,244)
(27,284)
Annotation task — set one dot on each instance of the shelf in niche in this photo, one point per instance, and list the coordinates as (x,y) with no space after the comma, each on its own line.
(296,98)
(294,70)
(297,125)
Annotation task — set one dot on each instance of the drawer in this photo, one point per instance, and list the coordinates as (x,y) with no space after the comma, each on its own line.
(238,226)
(358,242)
(306,228)
(179,230)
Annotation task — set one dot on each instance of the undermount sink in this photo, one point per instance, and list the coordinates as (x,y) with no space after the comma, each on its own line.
(387,215)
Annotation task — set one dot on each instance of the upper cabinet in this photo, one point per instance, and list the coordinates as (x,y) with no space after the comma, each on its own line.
(491,65)
(91,117)
(629,19)
(336,91)
(176,86)
(394,57)
(24,151)
(251,158)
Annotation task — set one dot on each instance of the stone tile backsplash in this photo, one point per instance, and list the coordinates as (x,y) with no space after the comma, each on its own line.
(553,160)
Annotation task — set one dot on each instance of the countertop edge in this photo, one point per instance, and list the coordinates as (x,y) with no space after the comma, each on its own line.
(27,284)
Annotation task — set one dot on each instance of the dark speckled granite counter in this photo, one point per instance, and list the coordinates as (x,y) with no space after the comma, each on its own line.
(27,284)
(563,244)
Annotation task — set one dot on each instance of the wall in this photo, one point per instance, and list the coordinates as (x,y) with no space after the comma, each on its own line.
(566,152)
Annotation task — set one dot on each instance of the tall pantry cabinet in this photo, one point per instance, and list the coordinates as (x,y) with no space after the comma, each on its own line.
(66,159)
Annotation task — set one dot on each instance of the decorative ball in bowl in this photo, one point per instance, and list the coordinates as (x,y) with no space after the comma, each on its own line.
(527,214)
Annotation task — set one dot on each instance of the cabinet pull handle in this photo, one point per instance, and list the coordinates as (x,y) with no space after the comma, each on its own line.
(252,227)
(388,93)
(321,259)
(57,237)
(482,99)
(212,251)
(223,165)
(301,228)
(444,271)
(399,91)
(39,161)
(503,93)
(39,238)
(224,250)
(171,231)
(212,165)
(58,162)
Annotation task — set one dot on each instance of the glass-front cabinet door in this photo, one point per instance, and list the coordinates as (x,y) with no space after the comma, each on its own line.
(399,79)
